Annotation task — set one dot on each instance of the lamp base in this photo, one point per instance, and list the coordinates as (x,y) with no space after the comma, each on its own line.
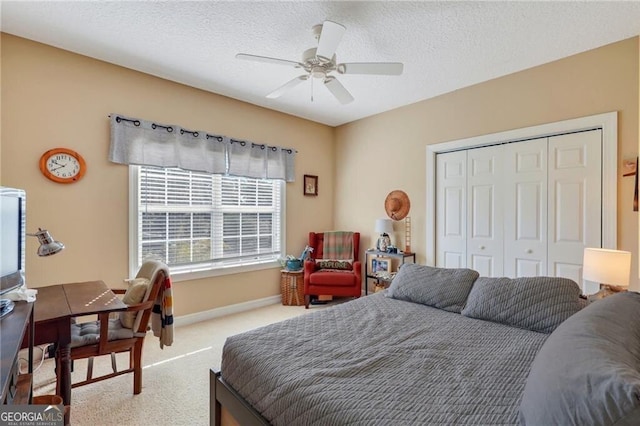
(383,242)
(605,290)
(612,288)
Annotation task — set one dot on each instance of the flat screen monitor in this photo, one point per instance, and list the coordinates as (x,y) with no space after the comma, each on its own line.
(12,238)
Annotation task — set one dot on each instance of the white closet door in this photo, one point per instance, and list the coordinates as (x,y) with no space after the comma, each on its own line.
(485,211)
(575,197)
(451,208)
(525,206)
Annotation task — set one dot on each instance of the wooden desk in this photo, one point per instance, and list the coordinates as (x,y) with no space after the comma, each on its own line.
(16,327)
(54,308)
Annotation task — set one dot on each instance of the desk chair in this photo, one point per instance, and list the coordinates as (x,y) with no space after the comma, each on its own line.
(124,334)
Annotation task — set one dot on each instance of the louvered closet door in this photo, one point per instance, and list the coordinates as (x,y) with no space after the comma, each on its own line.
(575,197)
(525,206)
(451,209)
(485,211)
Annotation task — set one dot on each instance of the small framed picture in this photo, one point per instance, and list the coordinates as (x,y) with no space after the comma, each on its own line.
(380,265)
(310,185)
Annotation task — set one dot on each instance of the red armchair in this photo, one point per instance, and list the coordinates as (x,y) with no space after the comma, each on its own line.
(346,283)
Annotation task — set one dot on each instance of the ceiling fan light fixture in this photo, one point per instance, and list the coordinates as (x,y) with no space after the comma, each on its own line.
(318,72)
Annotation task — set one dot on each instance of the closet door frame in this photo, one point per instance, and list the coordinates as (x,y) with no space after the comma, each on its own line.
(607,122)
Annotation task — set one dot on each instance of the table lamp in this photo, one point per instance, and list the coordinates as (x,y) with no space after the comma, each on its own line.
(384,227)
(610,268)
(48,245)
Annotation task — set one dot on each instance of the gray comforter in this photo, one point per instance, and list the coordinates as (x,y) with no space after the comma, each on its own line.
(377,360)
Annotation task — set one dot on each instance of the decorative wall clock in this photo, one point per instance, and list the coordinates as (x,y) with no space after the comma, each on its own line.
(62,165)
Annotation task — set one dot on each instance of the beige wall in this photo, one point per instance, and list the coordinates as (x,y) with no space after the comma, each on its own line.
(388,151)
(54,98)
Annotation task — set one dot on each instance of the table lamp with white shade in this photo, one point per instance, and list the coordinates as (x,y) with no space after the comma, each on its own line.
(384,227)
(610,268)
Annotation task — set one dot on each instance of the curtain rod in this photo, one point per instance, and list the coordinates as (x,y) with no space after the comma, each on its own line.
(195,134)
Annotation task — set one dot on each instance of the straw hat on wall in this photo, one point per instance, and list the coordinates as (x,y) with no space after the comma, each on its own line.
(397,205)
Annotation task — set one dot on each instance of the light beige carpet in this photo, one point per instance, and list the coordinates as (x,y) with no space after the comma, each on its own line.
(175,381)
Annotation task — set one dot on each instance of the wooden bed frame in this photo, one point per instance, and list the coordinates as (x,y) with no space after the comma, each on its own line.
(221,394)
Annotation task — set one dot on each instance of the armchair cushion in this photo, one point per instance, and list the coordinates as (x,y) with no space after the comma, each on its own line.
(88,333)
(134,295)
(332,278)
(335,264)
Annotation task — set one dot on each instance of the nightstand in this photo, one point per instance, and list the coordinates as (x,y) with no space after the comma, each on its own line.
(369,274)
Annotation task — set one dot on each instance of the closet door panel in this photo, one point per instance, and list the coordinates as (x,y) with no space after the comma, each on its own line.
(575,215)
(451,219)
(525,206)
(485,210)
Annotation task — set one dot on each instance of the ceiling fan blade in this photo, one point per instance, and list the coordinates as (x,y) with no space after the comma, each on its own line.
(329,38)
(375,68)
(268,60)
(287,86)
(338,90)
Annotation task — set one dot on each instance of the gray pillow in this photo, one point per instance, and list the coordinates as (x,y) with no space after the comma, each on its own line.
(533,303)
(441,288)
(586,373)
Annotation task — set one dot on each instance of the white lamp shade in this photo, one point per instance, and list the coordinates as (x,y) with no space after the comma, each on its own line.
(384,226)
(606,266)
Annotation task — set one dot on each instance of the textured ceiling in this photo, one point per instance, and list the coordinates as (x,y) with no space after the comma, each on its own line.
(444,45)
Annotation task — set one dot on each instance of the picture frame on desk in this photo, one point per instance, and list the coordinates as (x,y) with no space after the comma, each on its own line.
(380,265)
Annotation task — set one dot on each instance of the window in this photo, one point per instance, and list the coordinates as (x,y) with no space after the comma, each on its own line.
(202,223)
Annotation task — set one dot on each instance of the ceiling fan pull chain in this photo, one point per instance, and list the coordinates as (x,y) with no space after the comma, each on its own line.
(312,90)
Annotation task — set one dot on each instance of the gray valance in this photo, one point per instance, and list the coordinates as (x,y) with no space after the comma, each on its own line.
(142,142)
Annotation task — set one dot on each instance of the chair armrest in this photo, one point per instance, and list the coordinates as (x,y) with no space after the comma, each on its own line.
(309,266)
(139,306)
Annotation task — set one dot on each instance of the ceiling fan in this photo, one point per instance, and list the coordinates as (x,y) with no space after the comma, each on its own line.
(319,63)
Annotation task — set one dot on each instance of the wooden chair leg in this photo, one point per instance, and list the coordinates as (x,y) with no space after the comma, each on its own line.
(89,368)
(114,367)
(137,367)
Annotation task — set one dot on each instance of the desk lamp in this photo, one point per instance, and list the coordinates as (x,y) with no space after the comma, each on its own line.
(610,268)
(48,247)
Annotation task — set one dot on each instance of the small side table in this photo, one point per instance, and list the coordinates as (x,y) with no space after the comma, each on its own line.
(292,287)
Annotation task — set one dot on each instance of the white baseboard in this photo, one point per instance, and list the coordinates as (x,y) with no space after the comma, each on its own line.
(226,310)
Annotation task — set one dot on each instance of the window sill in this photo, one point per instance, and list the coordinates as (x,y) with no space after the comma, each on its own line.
(177,276)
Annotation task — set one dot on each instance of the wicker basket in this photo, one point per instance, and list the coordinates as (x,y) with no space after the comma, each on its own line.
(292,288)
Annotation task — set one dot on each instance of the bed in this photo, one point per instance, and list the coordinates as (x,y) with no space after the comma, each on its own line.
(440,346)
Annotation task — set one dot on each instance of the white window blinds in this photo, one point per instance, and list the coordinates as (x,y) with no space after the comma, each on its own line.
(196,221)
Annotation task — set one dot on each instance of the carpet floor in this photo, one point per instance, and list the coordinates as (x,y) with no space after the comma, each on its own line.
(175,380)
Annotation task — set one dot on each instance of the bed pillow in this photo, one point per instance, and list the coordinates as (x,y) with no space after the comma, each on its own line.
(586,372)
(533,303)
(442,288)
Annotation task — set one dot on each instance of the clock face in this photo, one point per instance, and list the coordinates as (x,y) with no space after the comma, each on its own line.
(62,165)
